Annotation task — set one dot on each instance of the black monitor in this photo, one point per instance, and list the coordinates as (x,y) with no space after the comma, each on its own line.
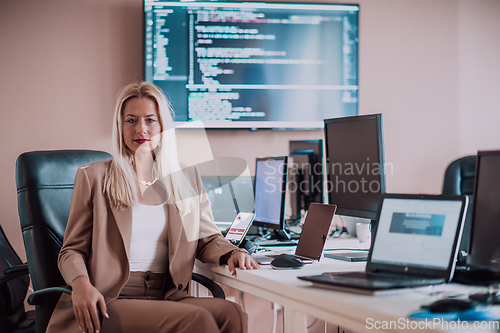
(355,165)
(485,231)
(253,64)
(270,189)
(305,175)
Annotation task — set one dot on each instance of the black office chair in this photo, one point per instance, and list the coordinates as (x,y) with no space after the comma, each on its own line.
(459,176)
(44,186)
(459,180)
(14,282)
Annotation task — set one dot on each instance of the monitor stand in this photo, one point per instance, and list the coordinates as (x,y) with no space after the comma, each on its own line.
(248,245)
(280,235)
(279,238)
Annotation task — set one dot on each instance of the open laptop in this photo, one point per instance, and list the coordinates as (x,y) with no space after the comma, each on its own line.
(415,243)
(313,236)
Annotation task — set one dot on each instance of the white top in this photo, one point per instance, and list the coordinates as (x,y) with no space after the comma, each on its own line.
(149,244)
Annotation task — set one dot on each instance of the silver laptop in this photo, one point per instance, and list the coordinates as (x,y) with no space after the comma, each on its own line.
(415,243)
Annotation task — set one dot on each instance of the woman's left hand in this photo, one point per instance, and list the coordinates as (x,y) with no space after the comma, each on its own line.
(241,260)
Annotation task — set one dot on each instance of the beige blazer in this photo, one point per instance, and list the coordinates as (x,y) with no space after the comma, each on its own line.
(97,242)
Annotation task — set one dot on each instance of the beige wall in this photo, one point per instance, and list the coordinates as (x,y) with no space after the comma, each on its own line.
(479,97)
(430,66)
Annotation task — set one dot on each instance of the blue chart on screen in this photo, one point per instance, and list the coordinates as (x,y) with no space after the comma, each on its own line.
(422,224)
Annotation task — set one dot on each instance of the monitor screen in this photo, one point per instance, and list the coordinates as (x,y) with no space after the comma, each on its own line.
(485,231)
(355,164)
(418,231)
(228,196)
(253,64)
(305,175)
(270,189)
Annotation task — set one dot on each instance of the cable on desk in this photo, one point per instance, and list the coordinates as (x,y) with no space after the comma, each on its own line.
(293,232)
(287,228)
(338,232)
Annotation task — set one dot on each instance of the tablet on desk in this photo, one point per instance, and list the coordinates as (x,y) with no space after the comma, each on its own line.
(275,242)
(239,227)
(348,256)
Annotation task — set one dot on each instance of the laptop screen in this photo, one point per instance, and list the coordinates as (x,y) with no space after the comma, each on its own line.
(417,232)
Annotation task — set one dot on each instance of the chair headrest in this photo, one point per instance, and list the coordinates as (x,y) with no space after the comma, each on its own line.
(53,167)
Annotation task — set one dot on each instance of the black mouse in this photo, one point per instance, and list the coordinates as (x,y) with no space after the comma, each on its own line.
(286,261)
(448,305)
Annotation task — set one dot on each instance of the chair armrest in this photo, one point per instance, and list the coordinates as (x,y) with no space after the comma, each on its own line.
(14,272)
(19,268)
(214,288)
(37,297)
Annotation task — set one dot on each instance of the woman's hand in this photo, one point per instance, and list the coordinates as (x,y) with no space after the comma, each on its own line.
(242,260)
(85,299)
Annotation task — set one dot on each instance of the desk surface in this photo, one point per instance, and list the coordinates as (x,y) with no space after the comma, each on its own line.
(352,311)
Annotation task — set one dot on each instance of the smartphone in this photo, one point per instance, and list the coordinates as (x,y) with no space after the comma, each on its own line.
(239,228)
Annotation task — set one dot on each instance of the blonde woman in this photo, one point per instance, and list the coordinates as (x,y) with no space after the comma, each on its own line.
(137,222)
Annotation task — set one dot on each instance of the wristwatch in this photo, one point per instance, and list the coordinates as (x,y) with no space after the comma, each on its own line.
(239,250)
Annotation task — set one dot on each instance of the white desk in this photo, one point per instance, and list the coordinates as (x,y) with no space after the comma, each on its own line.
(348,310)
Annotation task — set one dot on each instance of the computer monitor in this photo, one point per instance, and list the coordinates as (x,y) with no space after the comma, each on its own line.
(228,196)
(305,175)
(355,165)
(485,231)
(270,189)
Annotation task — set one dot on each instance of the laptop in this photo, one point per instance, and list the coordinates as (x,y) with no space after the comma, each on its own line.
(415,243)
(313,236)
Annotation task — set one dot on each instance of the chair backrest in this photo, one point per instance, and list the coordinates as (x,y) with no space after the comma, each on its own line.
(459,180)
(44,186)
(45,182)
(13,292)
(459,176)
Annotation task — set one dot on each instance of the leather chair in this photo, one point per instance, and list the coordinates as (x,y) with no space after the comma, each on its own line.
(14,282)
(459,176)
(44,186)
(459,180)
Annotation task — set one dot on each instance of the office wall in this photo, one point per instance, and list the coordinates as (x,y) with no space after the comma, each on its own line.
(479,71)
(430,66)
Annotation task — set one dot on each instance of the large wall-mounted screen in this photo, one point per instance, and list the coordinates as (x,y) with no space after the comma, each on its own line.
(253,64)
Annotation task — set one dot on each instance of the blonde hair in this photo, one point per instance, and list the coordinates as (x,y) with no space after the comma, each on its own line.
(121,180)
